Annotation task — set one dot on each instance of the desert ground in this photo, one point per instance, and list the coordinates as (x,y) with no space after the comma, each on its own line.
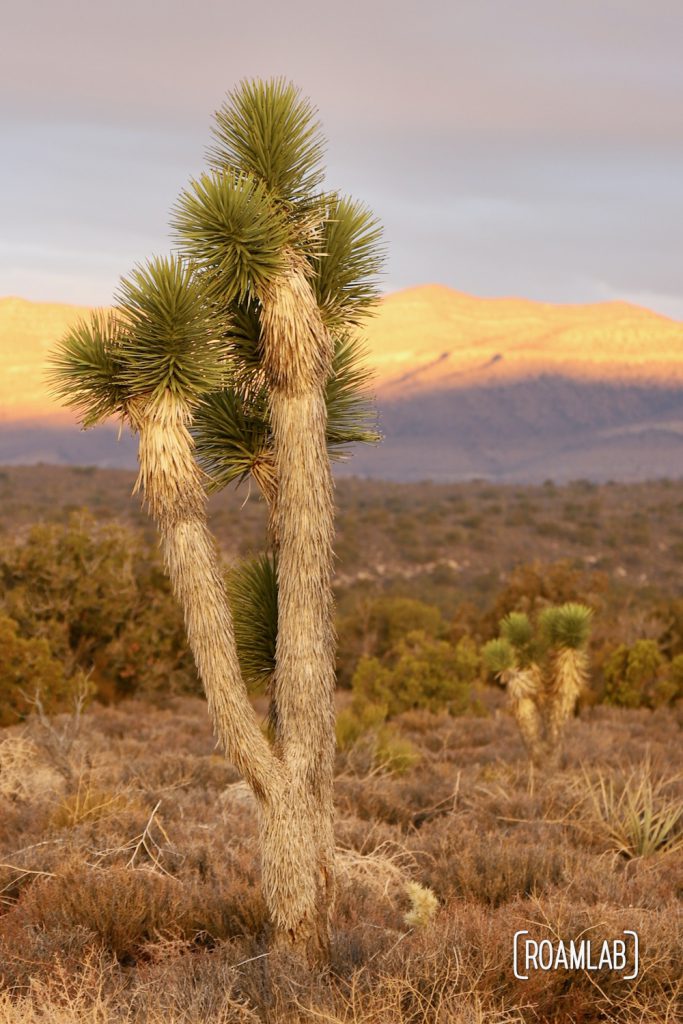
(129,875)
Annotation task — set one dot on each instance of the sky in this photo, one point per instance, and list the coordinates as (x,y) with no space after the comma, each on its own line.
(530,148)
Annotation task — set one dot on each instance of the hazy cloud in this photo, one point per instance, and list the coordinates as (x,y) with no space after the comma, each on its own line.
(531,148)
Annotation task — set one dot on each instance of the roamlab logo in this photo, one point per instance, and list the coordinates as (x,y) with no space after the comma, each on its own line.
(618,955)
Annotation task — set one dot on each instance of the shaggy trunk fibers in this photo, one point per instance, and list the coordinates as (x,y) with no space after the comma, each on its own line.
(570,674)
(298,841)
(170,482)
(524,690)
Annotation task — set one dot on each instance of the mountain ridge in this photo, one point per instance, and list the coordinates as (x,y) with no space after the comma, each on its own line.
(504,388)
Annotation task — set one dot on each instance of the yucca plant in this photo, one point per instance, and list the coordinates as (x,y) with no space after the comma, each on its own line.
(523,680)
(566,629)
(238,360)
(151,362)
(639,816)
(544,666)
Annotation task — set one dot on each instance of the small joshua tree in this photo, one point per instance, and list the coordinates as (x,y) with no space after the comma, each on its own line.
(238,359)
(513,658)
(567,630)
(545,669)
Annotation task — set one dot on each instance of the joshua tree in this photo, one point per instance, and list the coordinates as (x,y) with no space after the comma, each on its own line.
(513,658)
(238,359)
(545,669)
(567,629)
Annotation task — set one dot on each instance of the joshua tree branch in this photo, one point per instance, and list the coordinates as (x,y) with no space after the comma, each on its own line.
(171,484)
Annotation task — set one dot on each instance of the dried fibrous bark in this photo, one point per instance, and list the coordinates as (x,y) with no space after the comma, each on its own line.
(525,692)
(568,680)
(171,484)
(298,844)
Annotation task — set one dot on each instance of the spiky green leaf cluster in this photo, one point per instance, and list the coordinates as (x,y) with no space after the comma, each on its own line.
(85,368)
(252,588)
(172,340)
(227,223)
(192,325)
(547,624)
(232,437)
(268,129)
(351,258)
(351,413)
(516,628)
(570,626)
(498,655)
(161,337)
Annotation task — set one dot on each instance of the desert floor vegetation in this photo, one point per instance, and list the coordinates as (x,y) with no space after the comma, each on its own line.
(130,889)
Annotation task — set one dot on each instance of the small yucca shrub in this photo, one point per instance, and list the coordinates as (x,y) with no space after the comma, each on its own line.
(544,665)
(640,816)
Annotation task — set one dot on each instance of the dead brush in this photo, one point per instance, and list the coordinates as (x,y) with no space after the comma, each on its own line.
(638,816)
(121,907)
(90,803)
(57,736)
(386,873)
(24,774)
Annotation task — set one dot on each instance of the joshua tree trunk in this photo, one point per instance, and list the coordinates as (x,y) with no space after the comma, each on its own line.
(298,841)
(171,484)
(570,673)
(524,690)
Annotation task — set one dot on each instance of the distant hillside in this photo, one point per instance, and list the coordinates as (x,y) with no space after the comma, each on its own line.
(434,338)
(500,388)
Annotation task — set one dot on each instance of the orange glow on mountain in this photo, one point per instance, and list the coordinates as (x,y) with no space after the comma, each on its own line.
(432,337)
(422,339)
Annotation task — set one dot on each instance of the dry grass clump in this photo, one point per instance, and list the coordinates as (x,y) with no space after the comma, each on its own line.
(638,814)
(149,908)
(24,771)
(460,860)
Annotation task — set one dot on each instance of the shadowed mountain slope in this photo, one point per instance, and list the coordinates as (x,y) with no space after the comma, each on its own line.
(502,388)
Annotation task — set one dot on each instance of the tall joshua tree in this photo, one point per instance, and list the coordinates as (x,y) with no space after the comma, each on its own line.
(239,359)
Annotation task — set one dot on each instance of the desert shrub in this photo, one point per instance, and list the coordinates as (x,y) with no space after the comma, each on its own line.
(635,676)
(374,628)
(467,863)
(675,678)
(421,672)
(534,586)
(356,721)
(121,907)
(671,639)
(91,597)
(364,723)
(27,667)
(395,753)
(640,815)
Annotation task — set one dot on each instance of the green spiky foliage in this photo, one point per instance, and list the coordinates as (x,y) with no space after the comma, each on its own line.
(229,225)
(571,626)
(232,430)
(498,655)
(237,224)
(547,624)
(351,259)
(252,587)
(351,414)
(268,129)
(85,369)
(172,340)
(233,439)
(162,337)
(517,630)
